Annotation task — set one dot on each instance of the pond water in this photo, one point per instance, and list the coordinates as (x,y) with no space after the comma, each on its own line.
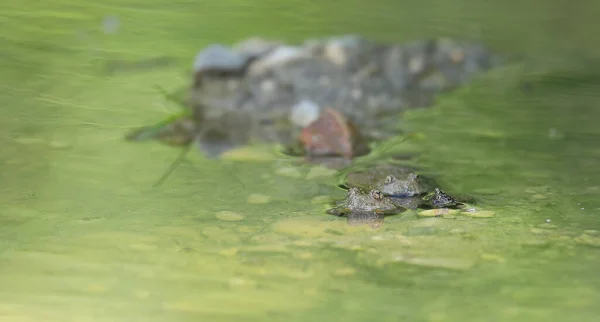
(85,237)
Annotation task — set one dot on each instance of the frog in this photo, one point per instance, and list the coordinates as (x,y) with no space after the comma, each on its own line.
(439,199)
(402,185)
(369,176)
(359,201)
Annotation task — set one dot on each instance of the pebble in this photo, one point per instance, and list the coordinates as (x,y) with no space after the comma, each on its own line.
(218,57)
(339,49)
(229,216)
(305,112)
(258,199)
(336,54)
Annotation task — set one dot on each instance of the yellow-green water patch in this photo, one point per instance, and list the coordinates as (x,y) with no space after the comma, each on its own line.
(258,199)
(307,226)
(217,234)
(321,200)
(588,240)
(439,262)
(493,258)
(289,171)
(320,171)
(480,213)
(303,255)
(249,153)
(345,272)
(442,212)
(229,216)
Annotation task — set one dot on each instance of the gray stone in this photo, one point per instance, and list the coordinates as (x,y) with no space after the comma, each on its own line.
(255,47)
(219,58)
(276,58)
(370,83)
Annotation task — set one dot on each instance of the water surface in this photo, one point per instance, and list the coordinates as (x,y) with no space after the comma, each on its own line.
(84,236)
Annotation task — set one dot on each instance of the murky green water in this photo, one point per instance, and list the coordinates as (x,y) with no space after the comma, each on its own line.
(84,237)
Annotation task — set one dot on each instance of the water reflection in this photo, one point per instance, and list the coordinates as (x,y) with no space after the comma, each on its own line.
(374,220)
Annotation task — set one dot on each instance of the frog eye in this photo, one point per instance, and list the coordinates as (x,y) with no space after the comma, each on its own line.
(389,179)
(376,194)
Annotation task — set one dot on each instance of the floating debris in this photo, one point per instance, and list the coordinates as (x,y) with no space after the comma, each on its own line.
(438,212)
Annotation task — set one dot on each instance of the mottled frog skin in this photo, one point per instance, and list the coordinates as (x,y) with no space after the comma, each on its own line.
(409,185)
(360,202)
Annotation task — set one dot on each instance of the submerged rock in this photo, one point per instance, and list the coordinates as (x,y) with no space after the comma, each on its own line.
(261,90)
(255,47)
(264,91)
(333,135)
(218,58)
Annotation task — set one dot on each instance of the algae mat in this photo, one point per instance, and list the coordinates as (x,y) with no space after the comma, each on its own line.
(84,237)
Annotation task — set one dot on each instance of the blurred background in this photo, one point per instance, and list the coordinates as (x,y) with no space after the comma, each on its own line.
(84,236)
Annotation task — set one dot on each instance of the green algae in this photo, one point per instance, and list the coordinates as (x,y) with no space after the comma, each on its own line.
(85,237)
